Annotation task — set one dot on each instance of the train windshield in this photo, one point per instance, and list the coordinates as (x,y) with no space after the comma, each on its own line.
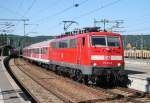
(98,41)
(105,41)
(113,41)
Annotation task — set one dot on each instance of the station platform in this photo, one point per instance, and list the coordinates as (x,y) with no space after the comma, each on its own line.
(138,71)
(138,66)
(137,61)
(9,90)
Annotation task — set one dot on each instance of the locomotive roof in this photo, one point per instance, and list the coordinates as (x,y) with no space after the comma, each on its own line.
(88,33)
(47,43)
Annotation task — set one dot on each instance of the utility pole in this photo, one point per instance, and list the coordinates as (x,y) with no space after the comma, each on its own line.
(24,21)
(13,20)
(105,22)
(5,27)
(27,25)
(25,34)
(24,27)
(142,45)
(67,24)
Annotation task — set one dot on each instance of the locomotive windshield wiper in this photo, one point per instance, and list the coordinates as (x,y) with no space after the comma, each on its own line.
(94,45)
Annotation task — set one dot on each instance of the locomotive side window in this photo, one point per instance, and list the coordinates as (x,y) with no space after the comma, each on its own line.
(98,41)
(64,44)
(55,44)
(73,43)
(113,41)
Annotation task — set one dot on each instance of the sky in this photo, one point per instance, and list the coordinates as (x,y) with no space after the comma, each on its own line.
(46,16)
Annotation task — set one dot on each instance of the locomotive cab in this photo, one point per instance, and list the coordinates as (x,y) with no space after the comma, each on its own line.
(106,52)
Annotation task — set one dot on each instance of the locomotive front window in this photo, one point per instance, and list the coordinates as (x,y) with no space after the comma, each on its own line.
(113,41)
(98,41)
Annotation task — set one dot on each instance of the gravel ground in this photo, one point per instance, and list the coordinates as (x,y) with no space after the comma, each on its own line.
(38,91)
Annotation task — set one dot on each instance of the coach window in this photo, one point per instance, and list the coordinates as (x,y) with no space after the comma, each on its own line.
(29,51)
(33,50)
(41,50)
(38,51)
(44,50)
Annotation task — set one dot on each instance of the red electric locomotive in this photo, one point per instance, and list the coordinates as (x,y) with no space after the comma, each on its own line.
(91,55)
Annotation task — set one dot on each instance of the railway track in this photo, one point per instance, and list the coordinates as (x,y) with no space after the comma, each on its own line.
(133,95)
(64,89)
(36,91)
(68,91)
(127,94)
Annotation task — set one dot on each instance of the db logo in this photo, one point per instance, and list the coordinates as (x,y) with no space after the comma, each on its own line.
(107,58)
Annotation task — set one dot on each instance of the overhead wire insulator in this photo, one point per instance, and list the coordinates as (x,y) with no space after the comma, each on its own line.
(76,5)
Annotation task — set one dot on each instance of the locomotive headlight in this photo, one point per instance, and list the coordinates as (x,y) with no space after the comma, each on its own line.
(119,64)
(94,64)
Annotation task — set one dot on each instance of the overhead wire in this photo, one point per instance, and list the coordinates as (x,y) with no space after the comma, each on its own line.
(58,13)
(138,23)
(9,10)
(20,5)
(29,8)
(15,13)
(92,11)
(137,30)
(62,11)
(96,9)
(48,7)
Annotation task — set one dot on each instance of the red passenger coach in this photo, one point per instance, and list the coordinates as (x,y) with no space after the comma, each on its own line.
(91,55)
(38,52)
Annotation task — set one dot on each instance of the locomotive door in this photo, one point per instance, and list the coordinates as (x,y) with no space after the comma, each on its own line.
(80,50)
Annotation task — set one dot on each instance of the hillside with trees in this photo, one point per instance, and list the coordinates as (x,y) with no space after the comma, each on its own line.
(137,41)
